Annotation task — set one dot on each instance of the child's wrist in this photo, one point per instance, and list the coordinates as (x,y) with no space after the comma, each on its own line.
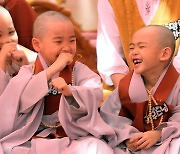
(2,59)
(3,66)
(56,66)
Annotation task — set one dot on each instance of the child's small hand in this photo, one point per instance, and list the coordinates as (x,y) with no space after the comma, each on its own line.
(61,85)
(63,60)
(131,145)
(19,58)
(147,139)
(6,50)
(5,54)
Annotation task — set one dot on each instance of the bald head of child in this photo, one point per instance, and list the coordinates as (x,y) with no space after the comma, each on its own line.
(151,49)
(165,38)
(4,13)
(53,34)
(42,22)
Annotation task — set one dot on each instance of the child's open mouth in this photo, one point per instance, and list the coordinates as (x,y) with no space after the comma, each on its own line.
(137,61)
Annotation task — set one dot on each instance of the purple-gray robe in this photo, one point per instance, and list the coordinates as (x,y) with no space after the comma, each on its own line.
(21,113)
(170,139)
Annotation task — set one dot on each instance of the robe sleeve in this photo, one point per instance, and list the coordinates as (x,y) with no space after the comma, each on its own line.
(79,114)
(4,79)
(109,48)
(9,100)
(34,91)
(171,128)
(121,125)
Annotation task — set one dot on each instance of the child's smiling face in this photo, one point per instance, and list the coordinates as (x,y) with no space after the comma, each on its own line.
(59,37)
(145,52)
(7,31)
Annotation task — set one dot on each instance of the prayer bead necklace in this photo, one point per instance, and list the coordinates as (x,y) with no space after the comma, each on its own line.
(72,80)
(50,126)
(149,116)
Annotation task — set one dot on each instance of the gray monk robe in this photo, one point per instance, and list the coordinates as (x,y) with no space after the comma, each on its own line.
(125,111)
(22,112)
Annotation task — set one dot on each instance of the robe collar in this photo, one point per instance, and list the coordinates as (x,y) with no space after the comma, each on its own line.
(137,87)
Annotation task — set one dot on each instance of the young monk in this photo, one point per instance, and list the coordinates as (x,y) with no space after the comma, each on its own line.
(144,110)
(12,55)
(55,109)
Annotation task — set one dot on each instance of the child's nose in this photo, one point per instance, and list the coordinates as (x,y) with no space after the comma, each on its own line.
(66,49)
(135,51)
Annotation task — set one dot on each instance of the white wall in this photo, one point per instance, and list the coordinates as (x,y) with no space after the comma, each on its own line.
(84,12)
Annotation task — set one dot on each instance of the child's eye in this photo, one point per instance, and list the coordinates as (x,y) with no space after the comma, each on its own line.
(73,40)
(131,48)
(58,42)
(141,47)
(11,32)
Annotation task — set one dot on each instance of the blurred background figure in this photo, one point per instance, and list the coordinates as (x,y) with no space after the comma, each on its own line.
(23,17)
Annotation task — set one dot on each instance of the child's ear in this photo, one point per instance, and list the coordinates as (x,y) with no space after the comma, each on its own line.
(36,44)
(166,54)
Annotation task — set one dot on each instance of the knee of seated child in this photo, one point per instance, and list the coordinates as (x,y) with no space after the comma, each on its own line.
(96,146)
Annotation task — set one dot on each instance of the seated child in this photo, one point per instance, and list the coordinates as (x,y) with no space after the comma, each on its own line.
(144,110)
(55,104)
(12,55)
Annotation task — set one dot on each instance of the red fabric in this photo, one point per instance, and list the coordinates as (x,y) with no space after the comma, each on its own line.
(23,17)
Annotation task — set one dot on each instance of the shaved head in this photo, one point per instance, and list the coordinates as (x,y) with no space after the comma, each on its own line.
(5,13)
(40,24)
(164,38)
